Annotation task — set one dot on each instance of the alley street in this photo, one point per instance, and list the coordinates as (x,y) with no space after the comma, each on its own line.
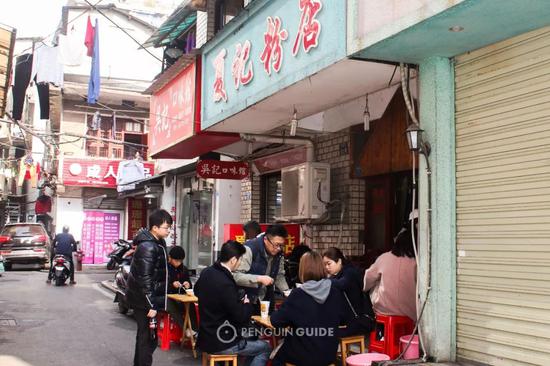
(44,325)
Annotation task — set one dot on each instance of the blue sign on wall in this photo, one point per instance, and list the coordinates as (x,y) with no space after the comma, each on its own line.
(270,46)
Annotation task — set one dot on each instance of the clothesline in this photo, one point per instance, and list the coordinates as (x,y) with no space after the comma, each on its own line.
(57,29)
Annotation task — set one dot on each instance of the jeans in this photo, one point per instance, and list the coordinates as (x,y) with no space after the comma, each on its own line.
(256,352)
(145,345)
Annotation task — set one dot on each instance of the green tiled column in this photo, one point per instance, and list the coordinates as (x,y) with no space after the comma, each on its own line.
(437,120)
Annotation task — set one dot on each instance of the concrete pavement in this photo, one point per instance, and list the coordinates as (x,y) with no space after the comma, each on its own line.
(42,324)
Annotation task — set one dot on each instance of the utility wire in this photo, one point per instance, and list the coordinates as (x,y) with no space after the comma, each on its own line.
(122,29)
(55,31)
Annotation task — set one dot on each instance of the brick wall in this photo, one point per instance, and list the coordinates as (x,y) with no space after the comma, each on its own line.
(250,199)
(334,149)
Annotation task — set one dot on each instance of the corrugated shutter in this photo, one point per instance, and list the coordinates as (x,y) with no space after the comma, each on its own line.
(503,201)
(93,200)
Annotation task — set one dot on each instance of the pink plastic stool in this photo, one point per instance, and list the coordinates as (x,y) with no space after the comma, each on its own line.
(365,359)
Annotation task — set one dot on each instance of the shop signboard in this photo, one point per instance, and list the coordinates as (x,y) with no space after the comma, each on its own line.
(275,45)
(235,232)
(222,169)
(172,111)
(281,160)
(99,231)
(102,173)
(137,219)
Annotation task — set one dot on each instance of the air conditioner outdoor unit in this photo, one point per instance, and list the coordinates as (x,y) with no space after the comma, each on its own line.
(302,185)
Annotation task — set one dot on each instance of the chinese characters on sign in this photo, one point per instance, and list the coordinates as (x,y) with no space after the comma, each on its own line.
(172,110)
(307,36)
(137,216)
(222,169)
(235,232)
(273,49)
(95,172)
(310,28)
(99,231)
(241,72)
(219,69)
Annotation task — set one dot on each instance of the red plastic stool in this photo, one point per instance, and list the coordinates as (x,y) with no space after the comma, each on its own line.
(167,331)
(392,327)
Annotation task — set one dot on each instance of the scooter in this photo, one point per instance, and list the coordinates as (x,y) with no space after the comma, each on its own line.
(117,255)
(121,278)
(62,269)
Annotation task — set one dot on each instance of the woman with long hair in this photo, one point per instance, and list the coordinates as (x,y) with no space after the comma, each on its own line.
(391,280)
(347,278)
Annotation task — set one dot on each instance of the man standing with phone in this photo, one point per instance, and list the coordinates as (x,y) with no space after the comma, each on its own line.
(148,281)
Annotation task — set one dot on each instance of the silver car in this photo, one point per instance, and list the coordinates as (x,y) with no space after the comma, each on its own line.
(24,243)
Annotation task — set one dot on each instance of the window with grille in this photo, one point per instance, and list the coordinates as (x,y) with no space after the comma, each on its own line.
(271,197)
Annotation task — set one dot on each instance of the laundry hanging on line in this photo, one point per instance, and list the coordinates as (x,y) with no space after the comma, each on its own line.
(89,37)
(28,170)
(46,65)
(21,81)
(95,79)
(70,48)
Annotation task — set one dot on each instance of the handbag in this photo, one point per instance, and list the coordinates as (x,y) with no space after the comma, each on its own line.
(366,321)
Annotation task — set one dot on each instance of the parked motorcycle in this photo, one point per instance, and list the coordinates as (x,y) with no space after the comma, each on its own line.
(121,278)
(117,255)
(62,269)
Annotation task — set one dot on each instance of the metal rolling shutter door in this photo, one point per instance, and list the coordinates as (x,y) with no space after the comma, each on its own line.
(503,201)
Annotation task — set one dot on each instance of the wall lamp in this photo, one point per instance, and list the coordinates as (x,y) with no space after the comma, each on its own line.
(415,140)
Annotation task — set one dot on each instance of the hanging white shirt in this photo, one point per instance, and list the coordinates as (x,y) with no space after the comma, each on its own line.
(46,65)
(71,49)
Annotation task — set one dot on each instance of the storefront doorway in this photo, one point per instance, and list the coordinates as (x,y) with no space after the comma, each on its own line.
(196,230)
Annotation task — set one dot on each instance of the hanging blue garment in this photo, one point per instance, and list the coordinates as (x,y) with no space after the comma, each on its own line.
(93,85)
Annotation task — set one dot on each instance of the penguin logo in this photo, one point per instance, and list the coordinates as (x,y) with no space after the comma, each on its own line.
(226,332)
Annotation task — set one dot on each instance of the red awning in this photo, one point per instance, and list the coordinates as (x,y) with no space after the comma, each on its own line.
(196,145)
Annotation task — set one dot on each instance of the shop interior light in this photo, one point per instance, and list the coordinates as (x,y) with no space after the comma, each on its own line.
(366,115)
(150,197)
(294,123)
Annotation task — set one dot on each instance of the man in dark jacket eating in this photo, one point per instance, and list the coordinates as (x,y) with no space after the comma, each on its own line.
(148,281)
(223,313)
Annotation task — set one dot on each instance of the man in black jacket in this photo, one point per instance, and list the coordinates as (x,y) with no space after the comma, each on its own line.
(63,244)
(148,281)
(222,311)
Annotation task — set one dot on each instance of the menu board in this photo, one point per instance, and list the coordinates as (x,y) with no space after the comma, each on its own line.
(100,230)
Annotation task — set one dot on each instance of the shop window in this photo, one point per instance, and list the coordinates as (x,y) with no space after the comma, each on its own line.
(271,197)
(224,11)
(133,127)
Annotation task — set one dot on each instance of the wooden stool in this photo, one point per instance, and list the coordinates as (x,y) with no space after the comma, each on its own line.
(210,360)
(348,341)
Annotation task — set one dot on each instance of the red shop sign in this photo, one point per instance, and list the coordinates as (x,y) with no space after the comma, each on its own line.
(222,169)
(281,160)
(95,172)
(235,232)
(172,111)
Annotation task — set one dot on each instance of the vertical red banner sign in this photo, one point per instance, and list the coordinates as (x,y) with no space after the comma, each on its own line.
(137,219)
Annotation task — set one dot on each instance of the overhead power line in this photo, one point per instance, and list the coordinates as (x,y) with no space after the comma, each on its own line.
(123,30)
